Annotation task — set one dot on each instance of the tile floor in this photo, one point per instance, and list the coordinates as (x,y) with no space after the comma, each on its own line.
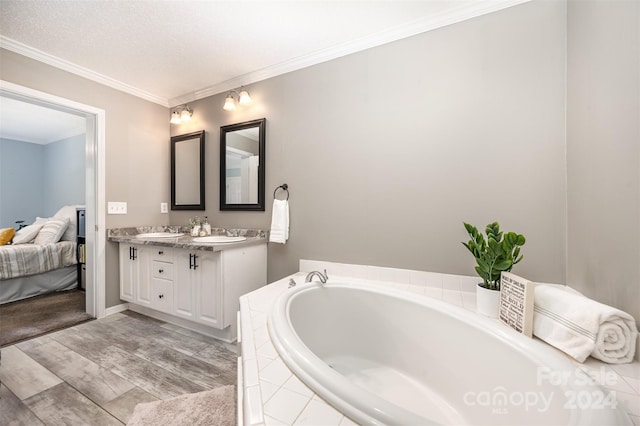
(95,373)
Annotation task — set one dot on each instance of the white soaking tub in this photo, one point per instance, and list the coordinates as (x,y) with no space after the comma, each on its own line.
(384,356)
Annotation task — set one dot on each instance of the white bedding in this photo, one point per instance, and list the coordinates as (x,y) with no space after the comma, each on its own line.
(29,259)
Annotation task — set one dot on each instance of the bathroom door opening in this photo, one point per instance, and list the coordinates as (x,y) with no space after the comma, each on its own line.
(94,185)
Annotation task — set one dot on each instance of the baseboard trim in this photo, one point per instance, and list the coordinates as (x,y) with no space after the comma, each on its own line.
(116,309)
(227,335)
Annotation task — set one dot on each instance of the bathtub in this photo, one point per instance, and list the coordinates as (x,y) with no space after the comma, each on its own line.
(385,356)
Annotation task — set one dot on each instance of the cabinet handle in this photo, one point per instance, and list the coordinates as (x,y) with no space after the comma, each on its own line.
(160,253)
(161,271)
(135,253)
(160,296)
(192,261)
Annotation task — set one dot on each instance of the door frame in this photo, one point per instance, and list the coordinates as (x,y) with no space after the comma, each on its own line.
(94,185)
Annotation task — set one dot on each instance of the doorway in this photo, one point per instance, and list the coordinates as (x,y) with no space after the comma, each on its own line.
(94,185)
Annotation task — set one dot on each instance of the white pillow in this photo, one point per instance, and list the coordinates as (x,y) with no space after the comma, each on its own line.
(70,213)
(52,231)
(28,233)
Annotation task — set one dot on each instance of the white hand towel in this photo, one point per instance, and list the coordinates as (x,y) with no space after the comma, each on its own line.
(279,222)
(581,326)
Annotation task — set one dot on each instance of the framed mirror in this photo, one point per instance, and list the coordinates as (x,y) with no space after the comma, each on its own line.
(187,171)
(242,165)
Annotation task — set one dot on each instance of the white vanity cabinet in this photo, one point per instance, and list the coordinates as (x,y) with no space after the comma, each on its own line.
(199,286)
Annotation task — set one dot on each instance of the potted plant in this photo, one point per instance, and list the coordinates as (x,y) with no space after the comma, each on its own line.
(194,225)
(494,254)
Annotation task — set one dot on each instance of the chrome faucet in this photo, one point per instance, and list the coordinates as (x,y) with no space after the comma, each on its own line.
(323,277)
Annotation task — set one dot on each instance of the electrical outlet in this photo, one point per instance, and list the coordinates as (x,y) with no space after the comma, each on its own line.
(164,208)
(117,207)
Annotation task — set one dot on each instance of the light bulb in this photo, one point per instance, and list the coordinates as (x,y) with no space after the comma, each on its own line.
(185,115)
(175,118)
(229,103)
(245,99)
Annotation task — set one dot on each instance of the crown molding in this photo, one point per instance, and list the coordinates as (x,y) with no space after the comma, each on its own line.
(38,55)
(452,16)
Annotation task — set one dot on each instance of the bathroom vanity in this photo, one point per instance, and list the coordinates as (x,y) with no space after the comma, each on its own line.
(187,282)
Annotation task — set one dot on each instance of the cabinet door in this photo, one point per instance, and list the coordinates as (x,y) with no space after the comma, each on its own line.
(142,282)
(197,288)
(134,274)
(126,272)
(184,297)
(209,289)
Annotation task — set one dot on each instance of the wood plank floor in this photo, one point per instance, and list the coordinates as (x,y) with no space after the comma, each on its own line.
(95,373)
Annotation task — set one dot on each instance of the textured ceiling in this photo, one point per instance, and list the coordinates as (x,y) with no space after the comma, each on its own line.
(171,49)
(171,52)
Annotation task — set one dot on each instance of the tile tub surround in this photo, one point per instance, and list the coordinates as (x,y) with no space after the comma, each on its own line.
(129,235)
(272,395)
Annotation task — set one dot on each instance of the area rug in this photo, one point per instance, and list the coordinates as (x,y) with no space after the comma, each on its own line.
(28,318)
(213,407)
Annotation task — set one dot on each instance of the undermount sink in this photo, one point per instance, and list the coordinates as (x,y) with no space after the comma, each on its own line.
(218,239)
(160,235)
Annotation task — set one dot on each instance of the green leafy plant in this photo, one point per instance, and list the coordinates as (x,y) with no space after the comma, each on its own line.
(193,222)
(494,254)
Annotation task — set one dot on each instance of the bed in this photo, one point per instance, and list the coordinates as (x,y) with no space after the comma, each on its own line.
(42,258)
(28,270)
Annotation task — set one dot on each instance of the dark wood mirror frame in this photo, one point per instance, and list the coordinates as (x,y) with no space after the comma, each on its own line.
(200,163)
(224,130)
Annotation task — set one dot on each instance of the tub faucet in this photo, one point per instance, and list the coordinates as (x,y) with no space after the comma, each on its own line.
(323,277)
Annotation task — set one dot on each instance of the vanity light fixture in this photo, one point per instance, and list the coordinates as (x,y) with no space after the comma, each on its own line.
(181,114)
(230,102)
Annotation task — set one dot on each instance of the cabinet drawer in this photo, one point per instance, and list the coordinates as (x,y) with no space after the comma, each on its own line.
(163,270)
(162,295)
(162,254)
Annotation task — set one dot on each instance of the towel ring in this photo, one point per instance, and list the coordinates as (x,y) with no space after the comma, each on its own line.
(284,187)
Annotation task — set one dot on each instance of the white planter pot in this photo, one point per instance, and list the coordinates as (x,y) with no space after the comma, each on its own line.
(487,301)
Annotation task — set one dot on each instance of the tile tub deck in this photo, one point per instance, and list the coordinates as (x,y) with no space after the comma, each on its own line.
(270,394)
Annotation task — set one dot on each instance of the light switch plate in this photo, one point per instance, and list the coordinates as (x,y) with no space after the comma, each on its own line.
(164,208)
(117,207)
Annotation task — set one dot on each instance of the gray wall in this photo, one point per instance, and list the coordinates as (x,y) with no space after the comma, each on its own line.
(389,150)
(64,174)
(603,151)
(137,146)
(21,177)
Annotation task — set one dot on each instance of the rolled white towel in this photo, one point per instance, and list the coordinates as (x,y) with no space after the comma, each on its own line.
(581,326)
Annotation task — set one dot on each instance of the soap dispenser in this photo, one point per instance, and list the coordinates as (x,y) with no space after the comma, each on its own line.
(206,227)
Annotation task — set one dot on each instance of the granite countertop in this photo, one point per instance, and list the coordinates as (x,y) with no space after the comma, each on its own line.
(186,241)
